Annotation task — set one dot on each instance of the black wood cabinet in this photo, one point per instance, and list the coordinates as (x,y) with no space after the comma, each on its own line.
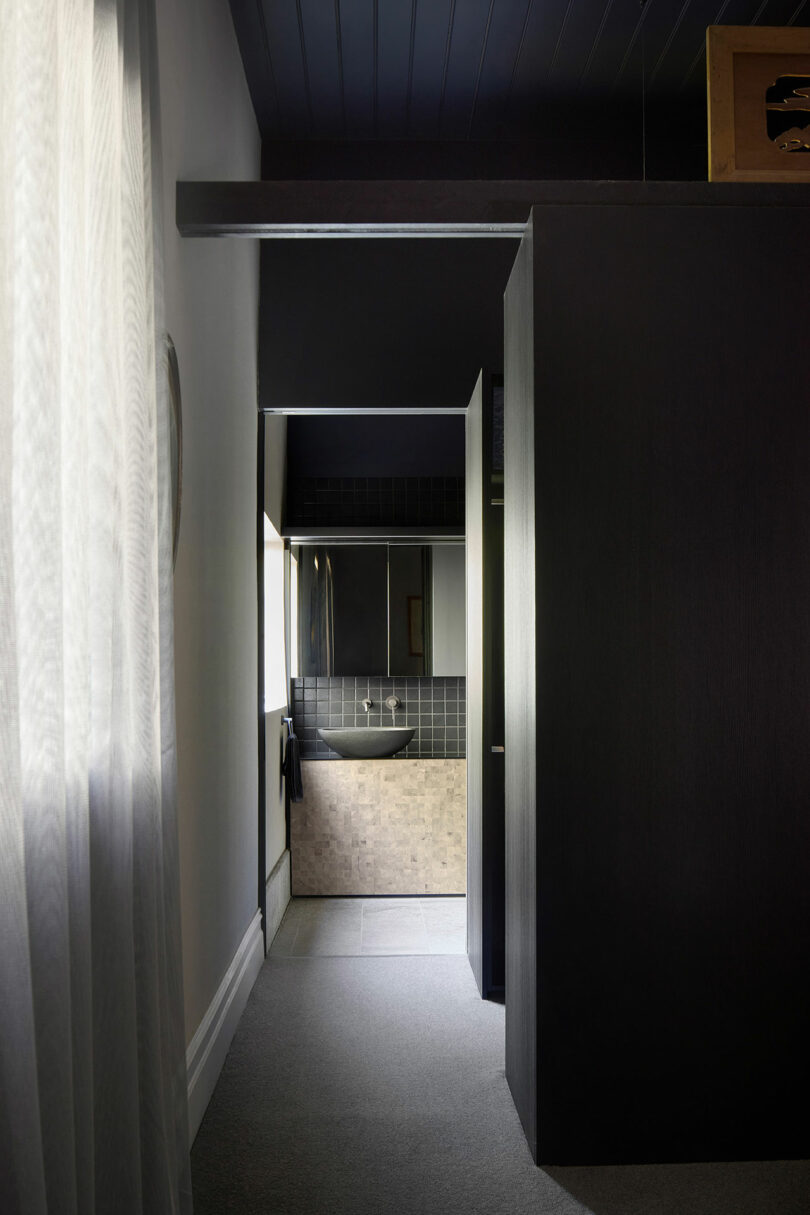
(657,621)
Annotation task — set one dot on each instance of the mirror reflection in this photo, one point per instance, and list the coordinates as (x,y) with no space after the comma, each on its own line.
(381,609)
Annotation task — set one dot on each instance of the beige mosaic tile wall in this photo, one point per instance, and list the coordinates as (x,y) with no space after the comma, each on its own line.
(371,826)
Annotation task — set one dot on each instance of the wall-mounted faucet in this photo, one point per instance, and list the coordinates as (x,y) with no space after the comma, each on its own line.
(367,704)
(392,703)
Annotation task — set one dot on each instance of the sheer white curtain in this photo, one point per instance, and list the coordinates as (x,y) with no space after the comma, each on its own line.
(92,1074)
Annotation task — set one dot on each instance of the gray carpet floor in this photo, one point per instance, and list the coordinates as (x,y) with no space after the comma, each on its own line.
(363,1086)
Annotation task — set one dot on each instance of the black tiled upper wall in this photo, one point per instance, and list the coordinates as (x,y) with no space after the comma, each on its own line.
(437,707)
(381,501)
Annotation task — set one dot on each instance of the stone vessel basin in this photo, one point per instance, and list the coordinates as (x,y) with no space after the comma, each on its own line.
(367,742)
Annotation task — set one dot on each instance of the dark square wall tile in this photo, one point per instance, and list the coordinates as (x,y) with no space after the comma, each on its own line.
(435,707)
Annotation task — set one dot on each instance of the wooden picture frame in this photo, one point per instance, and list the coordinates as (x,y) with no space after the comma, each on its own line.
(750,75)
(416,634)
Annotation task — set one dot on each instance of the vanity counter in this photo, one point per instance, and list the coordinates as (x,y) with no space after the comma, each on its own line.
(377,827)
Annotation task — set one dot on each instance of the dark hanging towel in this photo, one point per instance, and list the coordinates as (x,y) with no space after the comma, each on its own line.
(292,768)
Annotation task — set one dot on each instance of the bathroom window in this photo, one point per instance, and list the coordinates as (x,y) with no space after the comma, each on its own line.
(291,601)
(275,679)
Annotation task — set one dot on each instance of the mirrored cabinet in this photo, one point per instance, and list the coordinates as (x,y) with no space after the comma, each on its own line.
(380,609)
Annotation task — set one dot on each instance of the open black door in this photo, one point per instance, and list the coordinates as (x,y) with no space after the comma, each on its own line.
(485,686)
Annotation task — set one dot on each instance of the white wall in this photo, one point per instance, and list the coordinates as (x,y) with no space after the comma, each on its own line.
(275,463)
(275,467)
(209,132)
(449,610)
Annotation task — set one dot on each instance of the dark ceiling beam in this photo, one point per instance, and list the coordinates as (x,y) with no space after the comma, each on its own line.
(330,208)
(431,208)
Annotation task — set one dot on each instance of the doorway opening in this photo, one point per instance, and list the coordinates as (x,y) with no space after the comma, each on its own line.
(382,339)
(373,523)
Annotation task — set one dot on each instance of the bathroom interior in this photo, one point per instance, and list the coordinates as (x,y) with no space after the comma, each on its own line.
(370,581)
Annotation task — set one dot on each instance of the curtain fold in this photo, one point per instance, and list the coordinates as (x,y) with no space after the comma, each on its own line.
(92,1079)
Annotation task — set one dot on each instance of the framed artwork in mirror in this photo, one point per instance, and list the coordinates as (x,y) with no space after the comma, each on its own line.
(758,80)
(416,634)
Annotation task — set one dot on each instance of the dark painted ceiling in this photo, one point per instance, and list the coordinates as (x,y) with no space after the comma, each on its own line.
(379,324)
(480,70)
(417,446)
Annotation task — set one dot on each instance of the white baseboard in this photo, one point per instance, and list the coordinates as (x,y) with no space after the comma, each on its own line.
(278,895)
(209,1046)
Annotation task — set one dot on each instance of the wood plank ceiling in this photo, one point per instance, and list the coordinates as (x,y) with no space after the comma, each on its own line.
(476,70)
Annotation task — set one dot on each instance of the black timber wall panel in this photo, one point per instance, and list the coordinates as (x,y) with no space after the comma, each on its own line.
(360,324)
(671,455)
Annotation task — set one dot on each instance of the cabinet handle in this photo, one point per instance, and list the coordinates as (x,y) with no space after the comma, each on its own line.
(497,749)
